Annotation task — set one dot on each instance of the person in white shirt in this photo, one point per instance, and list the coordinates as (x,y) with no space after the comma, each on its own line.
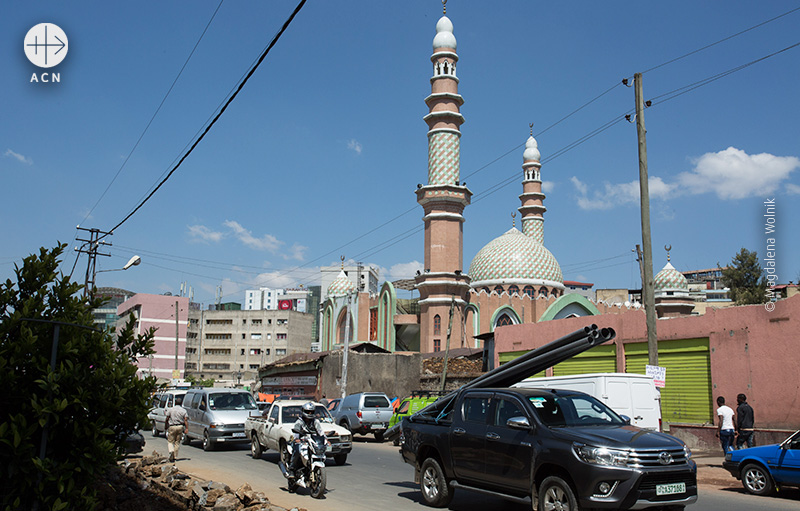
(176,425)
(725,428)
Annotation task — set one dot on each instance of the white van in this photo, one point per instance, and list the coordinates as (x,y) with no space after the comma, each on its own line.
(632,395)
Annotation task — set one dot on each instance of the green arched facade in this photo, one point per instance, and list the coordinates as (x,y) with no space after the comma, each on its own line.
(569,305)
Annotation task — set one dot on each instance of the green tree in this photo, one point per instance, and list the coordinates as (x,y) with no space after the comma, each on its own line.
(208,382)
(745,278)
(84,408)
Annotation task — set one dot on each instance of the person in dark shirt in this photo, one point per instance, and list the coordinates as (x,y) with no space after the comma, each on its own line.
(745,421)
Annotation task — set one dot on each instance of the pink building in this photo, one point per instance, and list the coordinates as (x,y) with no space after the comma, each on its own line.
(168,315)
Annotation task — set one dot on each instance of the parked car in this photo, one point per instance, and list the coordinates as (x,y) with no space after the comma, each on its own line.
(273,430)
(333,405)
(217,415)
(365,412)
(161,401)
(765,468)
(410,405)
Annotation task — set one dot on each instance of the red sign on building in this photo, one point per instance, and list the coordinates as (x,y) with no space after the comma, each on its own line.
(284,305)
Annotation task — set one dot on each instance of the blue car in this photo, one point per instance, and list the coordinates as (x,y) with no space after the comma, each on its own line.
(762,469)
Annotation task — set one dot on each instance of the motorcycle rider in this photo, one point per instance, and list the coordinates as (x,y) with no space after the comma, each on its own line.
(306,424)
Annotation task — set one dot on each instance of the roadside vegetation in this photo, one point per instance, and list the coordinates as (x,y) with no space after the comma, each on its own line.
(62,426)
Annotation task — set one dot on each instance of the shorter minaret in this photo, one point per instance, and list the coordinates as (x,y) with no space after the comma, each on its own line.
(532,198)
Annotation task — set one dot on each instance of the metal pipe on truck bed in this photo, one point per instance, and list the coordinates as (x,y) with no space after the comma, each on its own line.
(531,363)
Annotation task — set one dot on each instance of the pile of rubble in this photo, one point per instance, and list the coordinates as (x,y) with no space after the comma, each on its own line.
(154,474)
(434,365)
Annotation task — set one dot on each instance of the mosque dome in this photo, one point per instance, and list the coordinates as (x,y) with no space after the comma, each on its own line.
(341,286)
(670,278)
(515,258)
(531,150)
(444,34)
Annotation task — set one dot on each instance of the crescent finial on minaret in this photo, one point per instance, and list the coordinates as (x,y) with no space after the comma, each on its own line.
(531,126)
(342,258)
(667,248)
(513,220)
(444,6)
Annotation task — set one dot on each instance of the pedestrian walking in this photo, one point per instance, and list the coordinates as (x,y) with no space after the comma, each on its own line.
(725,427)
(745,423)
(176,424)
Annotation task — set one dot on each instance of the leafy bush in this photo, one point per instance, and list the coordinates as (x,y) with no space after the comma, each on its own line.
(84,408)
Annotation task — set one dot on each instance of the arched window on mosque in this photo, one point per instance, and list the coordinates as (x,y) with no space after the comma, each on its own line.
(513,289)
(437,325)
(504,320)
(498,289)
(528,290)
(342,328)
(543,292)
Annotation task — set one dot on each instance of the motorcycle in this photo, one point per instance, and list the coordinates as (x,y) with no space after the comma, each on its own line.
(312,473)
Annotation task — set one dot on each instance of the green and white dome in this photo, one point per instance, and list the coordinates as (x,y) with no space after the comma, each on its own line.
(670,278)
(515,258)
(341,286)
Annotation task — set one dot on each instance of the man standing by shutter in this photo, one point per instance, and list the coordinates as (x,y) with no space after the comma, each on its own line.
(176,424)
(745,421)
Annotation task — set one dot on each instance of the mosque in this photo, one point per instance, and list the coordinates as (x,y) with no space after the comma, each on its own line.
(513,279)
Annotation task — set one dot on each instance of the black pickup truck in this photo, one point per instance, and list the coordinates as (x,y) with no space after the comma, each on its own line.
(557,449)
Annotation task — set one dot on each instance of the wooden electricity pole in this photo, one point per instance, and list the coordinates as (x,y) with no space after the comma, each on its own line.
(647,282)
(447,346)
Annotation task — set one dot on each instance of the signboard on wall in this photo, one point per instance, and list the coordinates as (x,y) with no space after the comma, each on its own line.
(287,381)
(284,305)
(659,375)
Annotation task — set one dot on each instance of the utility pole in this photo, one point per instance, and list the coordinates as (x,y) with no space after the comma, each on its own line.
(447,345)
(90,248)
(346,346)
(644,188)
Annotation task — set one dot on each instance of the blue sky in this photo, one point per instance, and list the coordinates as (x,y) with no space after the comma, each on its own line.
(326,142)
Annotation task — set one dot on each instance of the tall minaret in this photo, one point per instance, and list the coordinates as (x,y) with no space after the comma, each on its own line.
(532,198)
(443,199)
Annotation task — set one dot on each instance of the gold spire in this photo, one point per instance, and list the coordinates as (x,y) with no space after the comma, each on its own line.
(513,220)
(531,125)
(667,248)
(444,6)
(342,258)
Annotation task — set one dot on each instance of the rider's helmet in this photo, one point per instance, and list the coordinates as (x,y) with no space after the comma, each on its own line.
(308,411)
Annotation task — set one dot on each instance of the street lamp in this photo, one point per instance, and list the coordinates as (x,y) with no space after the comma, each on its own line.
(133,261)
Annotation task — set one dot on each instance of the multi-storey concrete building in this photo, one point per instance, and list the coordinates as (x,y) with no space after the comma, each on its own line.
(277,299)
(231,345)
(169,316)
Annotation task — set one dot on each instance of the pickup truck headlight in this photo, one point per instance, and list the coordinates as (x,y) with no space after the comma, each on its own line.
(602,455)
(215,425)
(728,456)
(688,452)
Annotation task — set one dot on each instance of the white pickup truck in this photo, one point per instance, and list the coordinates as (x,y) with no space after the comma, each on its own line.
(273,430)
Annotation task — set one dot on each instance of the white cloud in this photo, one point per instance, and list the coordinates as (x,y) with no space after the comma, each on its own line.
(297,252)
(22,159)
(267,242)
(354,145)
(403,271)
(793,189)
(548,186)
(203,233)
(618,194)
(734,174)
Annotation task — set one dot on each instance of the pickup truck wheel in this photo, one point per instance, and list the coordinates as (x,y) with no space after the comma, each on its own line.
(155,429)
(186,439)
(756,480)
(340,459)
(556,494)
(433,485)
(255,447)
(208,445)
(379,436)
(346,425)
(285,457)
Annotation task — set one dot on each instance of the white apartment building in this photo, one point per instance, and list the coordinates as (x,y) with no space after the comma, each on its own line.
(266,298)
(365,278)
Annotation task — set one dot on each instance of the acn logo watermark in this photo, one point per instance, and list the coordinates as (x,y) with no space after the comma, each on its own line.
(46,46)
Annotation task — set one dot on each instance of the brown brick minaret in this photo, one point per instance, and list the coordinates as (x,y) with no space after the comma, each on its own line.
(443,200)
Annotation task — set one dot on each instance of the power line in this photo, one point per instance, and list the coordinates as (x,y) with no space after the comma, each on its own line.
(722,40)
(219,114)
(163,100)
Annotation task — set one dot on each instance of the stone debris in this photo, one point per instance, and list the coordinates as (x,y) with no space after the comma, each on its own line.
(156,473)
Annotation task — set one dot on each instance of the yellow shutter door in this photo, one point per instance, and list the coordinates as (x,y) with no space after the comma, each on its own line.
(600,359)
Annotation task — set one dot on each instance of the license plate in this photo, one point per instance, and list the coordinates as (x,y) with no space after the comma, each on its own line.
(670,489)
(238,435)
(377,426)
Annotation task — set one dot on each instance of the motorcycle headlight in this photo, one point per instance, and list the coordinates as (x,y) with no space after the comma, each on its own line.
(602,455)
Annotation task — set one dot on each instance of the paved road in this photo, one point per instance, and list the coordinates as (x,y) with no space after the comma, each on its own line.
(375,478)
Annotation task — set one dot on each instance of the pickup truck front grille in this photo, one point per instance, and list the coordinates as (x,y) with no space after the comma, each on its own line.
(657,457)
(650,481)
